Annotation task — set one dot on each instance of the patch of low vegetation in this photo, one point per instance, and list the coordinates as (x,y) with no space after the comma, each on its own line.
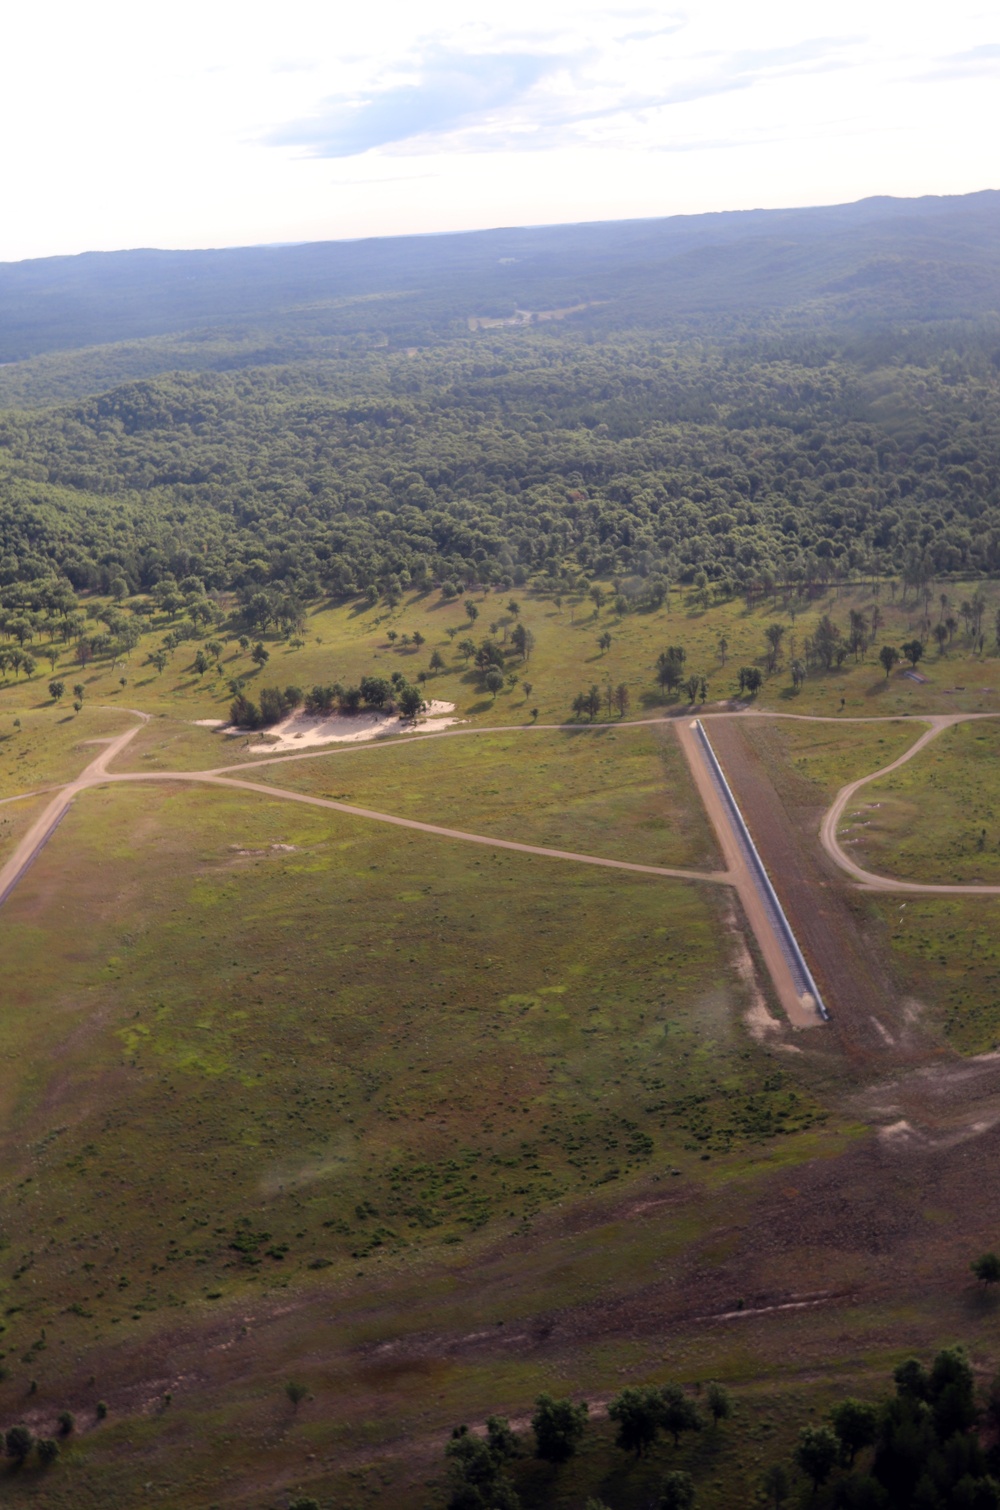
(623,793)
(938,817)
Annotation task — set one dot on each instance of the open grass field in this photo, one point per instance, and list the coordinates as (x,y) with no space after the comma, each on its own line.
(302,1057)
(827,756)
(50,745)
(938,817)
(944,952)
(429,1128)
(623,793)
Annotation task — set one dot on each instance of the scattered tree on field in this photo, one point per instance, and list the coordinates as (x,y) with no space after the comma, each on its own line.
(493,681)
(776,1484)
(678,1491)
(889,656)
(913,650)
(986,1268)
(558,1426)
(296,1393)
(773,634)
(523,641)
(638,1413)
(856,1425)
(411,699)
(18,1442)
(679,1412)
(621,699)
(670,667)
(56,690)
(817,1453)
(477,1468)
(720,1402)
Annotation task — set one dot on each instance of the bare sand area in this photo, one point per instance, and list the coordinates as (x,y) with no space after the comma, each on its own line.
(302,731)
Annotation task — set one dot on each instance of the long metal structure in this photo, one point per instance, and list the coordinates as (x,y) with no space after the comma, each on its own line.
(801,973)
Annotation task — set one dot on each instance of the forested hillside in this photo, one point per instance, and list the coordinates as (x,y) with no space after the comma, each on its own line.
(721,409)
(512,455)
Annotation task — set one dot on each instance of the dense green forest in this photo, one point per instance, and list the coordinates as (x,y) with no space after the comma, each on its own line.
(725,440)
(513,456)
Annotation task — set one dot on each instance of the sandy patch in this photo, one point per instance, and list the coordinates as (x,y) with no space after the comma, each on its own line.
(210,723)
(303,731)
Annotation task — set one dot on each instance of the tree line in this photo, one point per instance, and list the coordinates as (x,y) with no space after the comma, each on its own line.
(933,1443)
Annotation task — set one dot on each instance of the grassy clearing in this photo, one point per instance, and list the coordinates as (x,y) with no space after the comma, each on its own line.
(819,758)
(343,643)
(623,793)
(51,745)
(294,1051)
(946,953)
(938,817)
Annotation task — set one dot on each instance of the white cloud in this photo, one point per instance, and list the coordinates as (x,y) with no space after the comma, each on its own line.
(215,123)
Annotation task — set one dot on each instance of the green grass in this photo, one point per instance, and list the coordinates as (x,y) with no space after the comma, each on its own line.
(456,1088)
(394,1056)
(343,643)
(945,952)
(819,758)
(938,817)
(624,793)
(52,744)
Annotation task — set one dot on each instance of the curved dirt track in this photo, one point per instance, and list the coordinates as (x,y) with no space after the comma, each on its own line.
(211,778)
(872,880)
(736,874)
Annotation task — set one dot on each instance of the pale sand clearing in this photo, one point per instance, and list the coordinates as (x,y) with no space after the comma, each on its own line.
(301,731)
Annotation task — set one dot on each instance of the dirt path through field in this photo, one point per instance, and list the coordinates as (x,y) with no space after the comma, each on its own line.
(209,778)
(46,824)
(869,879)
(800,1012)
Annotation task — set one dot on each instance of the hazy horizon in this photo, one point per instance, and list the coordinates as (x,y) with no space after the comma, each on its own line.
(247,128)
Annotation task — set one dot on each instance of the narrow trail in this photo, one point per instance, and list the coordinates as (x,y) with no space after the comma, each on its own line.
(211,778)
(735,874)
(871,880)
(48,821)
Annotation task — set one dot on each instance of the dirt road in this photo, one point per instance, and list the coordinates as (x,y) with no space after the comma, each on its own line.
(801,1011)
(46,824)
(870,879)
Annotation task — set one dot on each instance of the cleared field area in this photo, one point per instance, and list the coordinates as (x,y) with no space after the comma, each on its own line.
(781,810)
(15,820)
(51,744)
(946,953)
(255,1053)
(625,794)
(938,817)
(829,754)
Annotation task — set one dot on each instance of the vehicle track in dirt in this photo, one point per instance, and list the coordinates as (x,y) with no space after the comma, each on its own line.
(813,925)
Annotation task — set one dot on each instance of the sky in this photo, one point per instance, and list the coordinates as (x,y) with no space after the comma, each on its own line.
(220,124)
